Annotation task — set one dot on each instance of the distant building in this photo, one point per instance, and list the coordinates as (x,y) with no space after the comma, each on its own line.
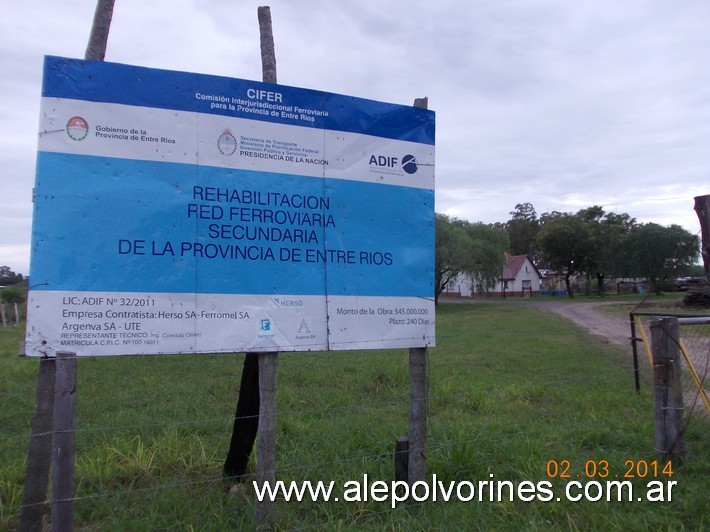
(519,278)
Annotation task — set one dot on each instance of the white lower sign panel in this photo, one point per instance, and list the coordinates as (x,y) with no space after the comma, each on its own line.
(113,323)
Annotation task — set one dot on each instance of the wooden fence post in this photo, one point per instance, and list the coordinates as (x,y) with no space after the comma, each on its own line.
(634,352)
(401,459)
(268,51)
(246,420)
(268,362)
(52,432)
(266,452)
(96,47)
(63,443)
(416,467)
(39,453)
(247,416)
(667,390)
(418,397)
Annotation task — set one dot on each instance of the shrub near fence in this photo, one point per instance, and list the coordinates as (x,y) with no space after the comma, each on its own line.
(13,304)
(511,391)
(12,314)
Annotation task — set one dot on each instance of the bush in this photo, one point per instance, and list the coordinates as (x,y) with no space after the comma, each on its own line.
(12,295)
(698,296)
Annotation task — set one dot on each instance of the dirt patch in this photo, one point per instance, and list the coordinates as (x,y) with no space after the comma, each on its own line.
(590,317)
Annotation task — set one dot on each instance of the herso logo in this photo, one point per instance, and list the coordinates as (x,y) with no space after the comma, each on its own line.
(408,163)
(226,143)
(77,128)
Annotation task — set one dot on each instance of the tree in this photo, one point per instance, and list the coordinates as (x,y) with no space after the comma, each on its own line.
(12,295)
(564,241)
(485,266)
(659,253)
(7,276)
(589,242)
(453,248)
(523,229)
(475,248)
(607,232)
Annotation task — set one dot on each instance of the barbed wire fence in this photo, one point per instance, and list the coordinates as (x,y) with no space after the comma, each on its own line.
(120,470)
(693,352)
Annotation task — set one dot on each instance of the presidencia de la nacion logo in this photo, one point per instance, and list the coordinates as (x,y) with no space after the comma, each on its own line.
(226,143)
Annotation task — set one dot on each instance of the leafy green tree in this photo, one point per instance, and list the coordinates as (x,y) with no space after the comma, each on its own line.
(659,253)
(485,266)
(452,251)
(8,277)
(589,243)
(607,232)
(523,229)
(475,248)
(12,295)
(565,241)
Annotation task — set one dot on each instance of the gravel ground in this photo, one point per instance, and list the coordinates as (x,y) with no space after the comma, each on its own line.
(590,317)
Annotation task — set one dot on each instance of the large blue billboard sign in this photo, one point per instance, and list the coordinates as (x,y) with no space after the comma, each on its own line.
(186,213)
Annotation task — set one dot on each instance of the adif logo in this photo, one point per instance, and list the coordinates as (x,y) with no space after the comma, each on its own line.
(381,160)
(408,164)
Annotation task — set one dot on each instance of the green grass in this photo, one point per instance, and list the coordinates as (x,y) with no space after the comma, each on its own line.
(665,303)
(509,389)
(649,298)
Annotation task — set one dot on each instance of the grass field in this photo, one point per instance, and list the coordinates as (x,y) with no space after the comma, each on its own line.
(666,303)
(510,389)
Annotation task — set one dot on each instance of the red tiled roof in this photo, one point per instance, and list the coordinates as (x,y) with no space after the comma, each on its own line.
(512,266)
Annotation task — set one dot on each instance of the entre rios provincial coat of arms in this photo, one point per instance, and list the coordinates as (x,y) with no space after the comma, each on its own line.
(77,128)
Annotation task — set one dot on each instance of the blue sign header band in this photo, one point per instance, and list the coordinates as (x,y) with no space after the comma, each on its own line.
(201,93)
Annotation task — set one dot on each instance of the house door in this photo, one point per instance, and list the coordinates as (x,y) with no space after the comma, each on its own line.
(527,288)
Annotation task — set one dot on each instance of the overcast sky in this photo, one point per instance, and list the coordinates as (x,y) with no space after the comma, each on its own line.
(560,103)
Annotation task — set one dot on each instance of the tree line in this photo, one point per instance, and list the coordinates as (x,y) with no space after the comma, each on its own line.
(591,243)
(8,277)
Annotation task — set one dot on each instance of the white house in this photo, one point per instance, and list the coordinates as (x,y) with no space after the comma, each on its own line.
(519,278)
